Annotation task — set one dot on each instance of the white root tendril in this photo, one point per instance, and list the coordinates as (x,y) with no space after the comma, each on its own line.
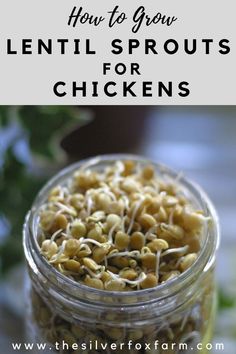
(54,236)
(89,205)
(175,250)
(112,229)
(56,256)
(93,275)
(139,280)
(64,207)
(178,262)
(136,208)
(148,235)
(133,254)
(105,189)
(83,241)
(126,201)
(119,168)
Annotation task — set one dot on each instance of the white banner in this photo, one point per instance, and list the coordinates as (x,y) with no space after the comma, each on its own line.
(117,52)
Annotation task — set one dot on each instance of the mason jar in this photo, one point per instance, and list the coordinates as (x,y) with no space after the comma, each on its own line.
(174,317)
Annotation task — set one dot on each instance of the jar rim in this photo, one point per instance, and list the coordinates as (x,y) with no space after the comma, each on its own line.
(205,256)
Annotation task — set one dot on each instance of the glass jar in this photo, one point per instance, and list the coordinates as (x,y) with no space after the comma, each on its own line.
(173,317)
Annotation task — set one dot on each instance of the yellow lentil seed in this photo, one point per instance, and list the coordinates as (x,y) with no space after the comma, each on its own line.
(128,167)
(148,200)
(149,282)
(174,231)
(82,214)
(148,172)
(158,245)
(114,285)
(72,265)
(169,201)
(46,220)
(193,243)
(71,247)
(49,247)
(133,263)
(83,253)
(94,282)
(60,222)
(129,185)
(161,215)
(105,276)
(121,240)
(128,273)
(154,206)
(78,229)
(96,216)
(149,261)
(113,269)
(119,261)
(192,221)
(99,254)
(90,263)
(115,207)
(102,238)
(147,220)
(113,219)
(187,261)
(170,275)
(137,240)
(77,201)
(54,192)
(103,201)
(136,227)
(95,233)
(85,180)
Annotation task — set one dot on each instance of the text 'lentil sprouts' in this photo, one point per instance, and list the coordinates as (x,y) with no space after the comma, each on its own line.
(121,229)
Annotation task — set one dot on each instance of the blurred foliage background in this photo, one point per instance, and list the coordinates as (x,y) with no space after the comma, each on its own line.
(29,153)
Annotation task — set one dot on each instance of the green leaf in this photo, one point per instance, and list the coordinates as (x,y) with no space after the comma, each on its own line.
(225,301)
(17,191)
(4,115)
(42,127)
(46,125)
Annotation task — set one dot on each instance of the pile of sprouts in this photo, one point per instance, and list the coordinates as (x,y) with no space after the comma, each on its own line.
(124,228)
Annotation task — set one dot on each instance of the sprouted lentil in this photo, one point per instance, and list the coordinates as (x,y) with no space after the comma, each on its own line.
(120,229)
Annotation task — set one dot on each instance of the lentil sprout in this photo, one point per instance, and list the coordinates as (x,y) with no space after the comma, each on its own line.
(124,222)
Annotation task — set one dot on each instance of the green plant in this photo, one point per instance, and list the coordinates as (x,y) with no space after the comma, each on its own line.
(225,301)
(39,130)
